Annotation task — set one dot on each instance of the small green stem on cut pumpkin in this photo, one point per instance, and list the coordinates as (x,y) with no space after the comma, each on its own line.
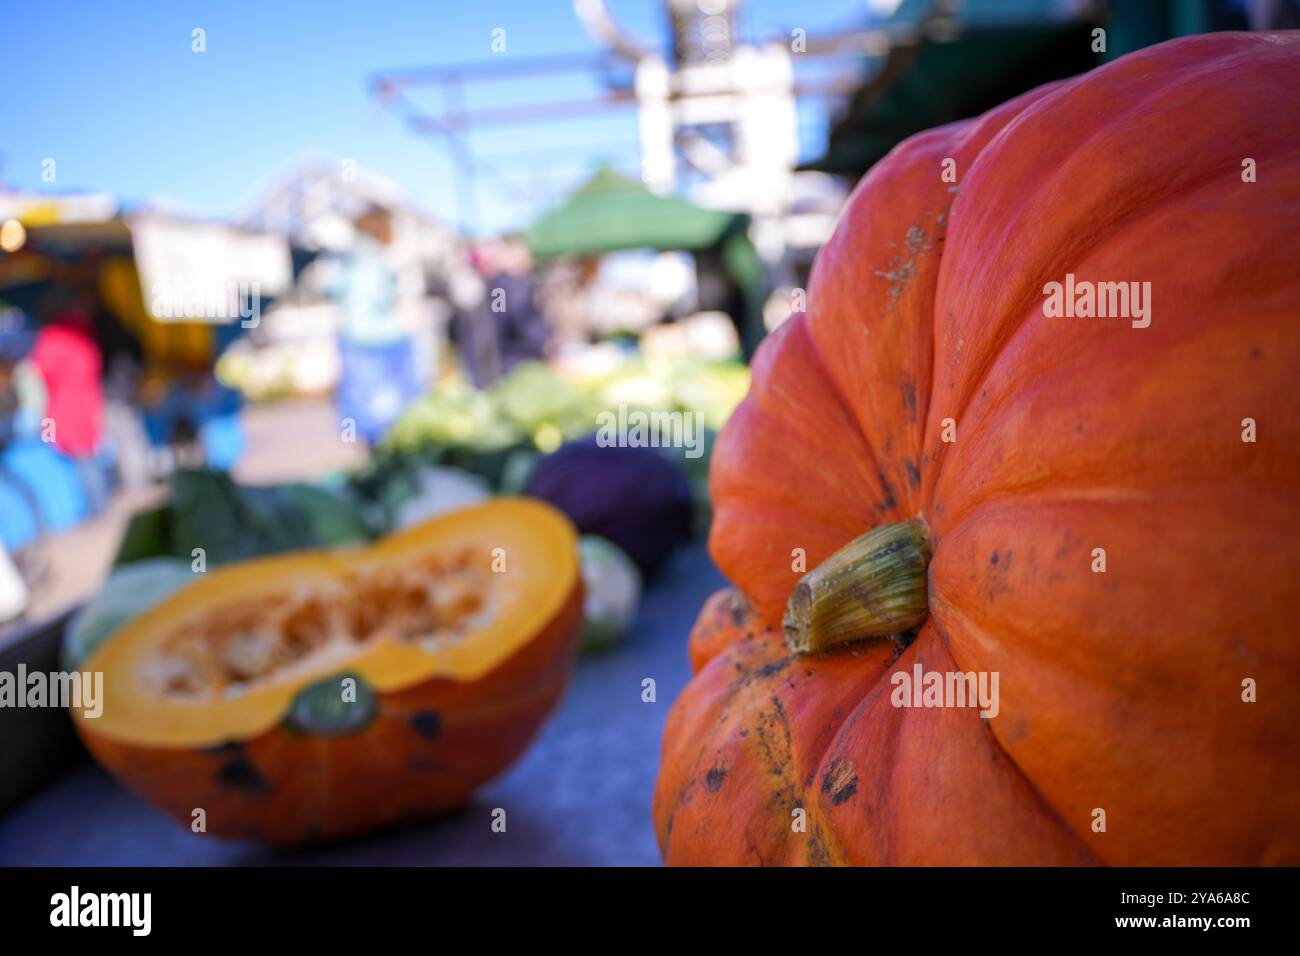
(874,586)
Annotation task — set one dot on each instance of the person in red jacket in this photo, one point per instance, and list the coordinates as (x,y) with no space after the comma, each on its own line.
(70,362)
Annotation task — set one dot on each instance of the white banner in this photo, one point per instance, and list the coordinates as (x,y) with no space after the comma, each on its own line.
(197,271)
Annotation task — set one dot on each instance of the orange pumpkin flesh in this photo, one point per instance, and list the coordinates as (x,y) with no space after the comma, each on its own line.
(459,636)
(1120,691)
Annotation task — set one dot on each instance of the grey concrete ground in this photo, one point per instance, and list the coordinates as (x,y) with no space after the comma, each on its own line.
(580,796)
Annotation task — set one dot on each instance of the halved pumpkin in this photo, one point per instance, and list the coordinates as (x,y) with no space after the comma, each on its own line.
(326,694)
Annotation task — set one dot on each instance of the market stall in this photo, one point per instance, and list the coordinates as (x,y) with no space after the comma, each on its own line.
(610,212)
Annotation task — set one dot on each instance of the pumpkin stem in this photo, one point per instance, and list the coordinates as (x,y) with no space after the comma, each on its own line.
(874,586)
(326,708)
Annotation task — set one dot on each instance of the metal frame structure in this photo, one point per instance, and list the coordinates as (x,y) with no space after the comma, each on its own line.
(690,83)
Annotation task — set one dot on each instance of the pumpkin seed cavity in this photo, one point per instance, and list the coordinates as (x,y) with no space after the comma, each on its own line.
(228,649)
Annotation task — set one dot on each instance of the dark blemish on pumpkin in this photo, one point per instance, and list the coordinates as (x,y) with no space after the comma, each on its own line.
(775,748)
(714,778)
(909,398)
(238,773)
(1255,352)
(738,611)
(772,667)
(913,473)
(781,716)
(817,852)
(427,724)
(996,582)
(422,764)
(889,500)
(840,782)
(1071,542)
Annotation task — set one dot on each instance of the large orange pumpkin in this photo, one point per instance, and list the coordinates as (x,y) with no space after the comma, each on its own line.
(326,694)
(1106,531)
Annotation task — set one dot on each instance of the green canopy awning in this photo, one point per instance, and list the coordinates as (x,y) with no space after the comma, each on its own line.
(611,212)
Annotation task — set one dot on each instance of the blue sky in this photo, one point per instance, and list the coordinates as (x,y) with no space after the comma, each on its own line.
(112,92)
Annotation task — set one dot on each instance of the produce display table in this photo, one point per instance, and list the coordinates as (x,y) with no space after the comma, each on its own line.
(579,796)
